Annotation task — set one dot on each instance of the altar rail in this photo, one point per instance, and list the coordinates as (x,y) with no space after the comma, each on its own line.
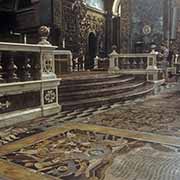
(63,62)
(135,63)
(28,84)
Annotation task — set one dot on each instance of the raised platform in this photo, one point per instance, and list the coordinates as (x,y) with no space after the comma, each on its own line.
(89,89)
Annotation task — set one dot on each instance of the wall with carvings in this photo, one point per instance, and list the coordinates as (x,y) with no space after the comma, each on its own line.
(125,27)
(71,21)
(141,22)
(175,44)
(147,22)
(95,23)
(79,21)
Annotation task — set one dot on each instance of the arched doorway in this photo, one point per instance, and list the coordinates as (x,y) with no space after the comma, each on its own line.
(92,50)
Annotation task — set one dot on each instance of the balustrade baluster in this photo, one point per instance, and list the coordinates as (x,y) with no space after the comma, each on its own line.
(11,70)
(1,69)
(128,64)
(134,64)
(37,71)
(26,68)
(120,63)
(138,63)
(131,63)
(141,63)
(124,63)
(145,62)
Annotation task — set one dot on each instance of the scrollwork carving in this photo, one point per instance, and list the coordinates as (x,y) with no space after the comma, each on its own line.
(48,65)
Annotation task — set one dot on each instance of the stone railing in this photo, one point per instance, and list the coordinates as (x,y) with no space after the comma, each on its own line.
(101,63)
(63,62)
(135,63)
(177,64)
(173,66)
(78,64)
(28,83)
(25,62)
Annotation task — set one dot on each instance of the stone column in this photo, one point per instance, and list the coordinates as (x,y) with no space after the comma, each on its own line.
(152,70)
(109,32)
(96,62)
(113,62)
(49,91)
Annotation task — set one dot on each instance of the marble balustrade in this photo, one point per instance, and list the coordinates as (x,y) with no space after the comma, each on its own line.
(28,83)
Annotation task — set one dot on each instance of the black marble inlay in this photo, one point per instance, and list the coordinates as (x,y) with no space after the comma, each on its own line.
(10,103)
(50,96)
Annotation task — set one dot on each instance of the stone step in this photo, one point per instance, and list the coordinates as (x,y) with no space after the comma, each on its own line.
(79,95)
(93,85)
(92,79)
(129,95)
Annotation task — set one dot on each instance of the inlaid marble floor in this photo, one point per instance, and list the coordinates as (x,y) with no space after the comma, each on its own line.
(77,151)
(133,141)
(158,114)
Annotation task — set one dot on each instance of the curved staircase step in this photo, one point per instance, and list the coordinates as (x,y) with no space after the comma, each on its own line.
(93,85)
(131,94)
(92,79)
(77,95)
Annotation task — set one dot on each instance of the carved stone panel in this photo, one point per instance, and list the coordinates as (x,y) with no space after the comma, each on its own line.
(48,62)
(50,96)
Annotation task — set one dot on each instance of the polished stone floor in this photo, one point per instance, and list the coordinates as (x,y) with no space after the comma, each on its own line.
(159,114)
(137,140)
(76,151)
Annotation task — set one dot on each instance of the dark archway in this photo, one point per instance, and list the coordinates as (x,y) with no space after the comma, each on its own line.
(92,51)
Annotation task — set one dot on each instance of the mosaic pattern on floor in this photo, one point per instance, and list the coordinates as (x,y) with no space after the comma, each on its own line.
(89,152)
(25,129)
